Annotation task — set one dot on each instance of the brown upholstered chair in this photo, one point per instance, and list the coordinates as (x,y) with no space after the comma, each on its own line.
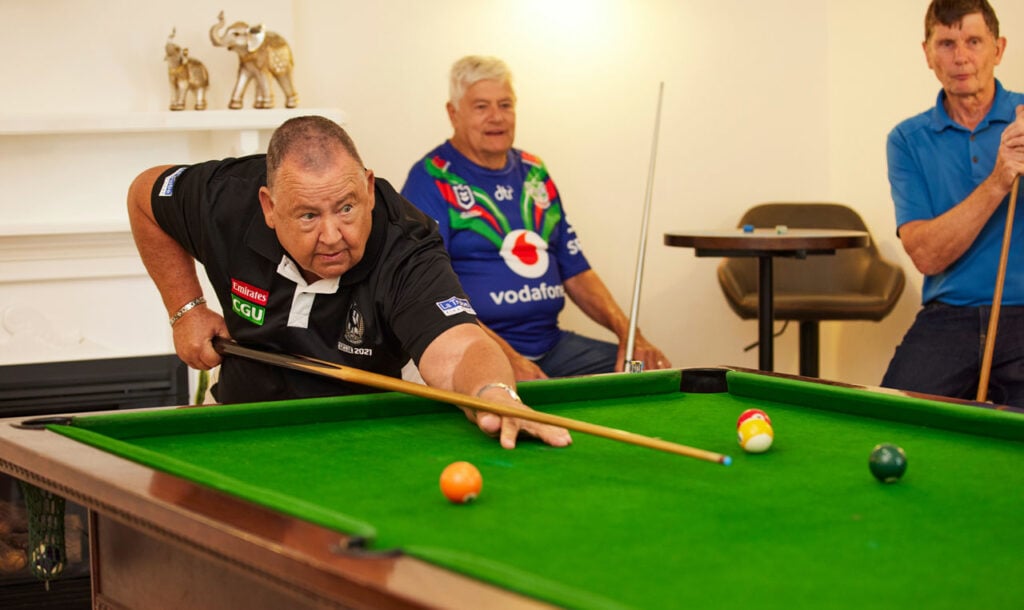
(852,284)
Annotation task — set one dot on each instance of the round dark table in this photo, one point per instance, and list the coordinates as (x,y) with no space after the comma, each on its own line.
(767,244)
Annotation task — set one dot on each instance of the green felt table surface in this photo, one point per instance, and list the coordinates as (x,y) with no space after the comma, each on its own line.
(603,524)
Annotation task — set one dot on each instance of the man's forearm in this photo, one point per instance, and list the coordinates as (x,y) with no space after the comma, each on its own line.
(590,294)
(934,245)
(168,264)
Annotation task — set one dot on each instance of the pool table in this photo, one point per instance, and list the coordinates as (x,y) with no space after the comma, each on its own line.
(334,502)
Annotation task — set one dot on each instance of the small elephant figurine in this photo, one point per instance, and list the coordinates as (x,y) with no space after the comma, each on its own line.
(186,74)
(260,54)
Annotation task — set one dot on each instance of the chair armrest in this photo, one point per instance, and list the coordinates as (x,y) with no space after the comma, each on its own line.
(886,280)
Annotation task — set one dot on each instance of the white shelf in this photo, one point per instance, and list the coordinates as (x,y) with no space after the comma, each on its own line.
(153,122)
(27,230)
(34,247)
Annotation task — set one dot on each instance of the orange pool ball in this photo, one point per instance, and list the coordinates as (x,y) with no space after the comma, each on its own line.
(461,482)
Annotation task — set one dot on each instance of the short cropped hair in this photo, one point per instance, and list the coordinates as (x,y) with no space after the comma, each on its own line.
(312,137)
(952,12)
(473,68)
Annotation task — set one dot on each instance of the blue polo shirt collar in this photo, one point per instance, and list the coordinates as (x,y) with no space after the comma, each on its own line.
(1002,111)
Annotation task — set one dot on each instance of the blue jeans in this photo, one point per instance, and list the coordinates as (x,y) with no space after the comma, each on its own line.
(578,355)
(942,353)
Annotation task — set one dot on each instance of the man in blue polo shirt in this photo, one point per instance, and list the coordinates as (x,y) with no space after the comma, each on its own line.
(951,170)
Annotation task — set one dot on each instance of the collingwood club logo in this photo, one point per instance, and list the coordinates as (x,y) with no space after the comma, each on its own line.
(355,331)
(354,327)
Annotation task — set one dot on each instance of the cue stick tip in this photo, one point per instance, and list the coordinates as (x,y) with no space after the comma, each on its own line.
(726,460)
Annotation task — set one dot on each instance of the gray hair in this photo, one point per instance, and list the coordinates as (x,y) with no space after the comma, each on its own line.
(473,68)
(312,138)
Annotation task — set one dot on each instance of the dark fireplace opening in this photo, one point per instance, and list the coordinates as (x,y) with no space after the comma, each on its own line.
(92,385)
(77,386)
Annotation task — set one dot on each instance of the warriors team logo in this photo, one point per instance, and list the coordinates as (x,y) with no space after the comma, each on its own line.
(354,327)
(526,253)
(538,191)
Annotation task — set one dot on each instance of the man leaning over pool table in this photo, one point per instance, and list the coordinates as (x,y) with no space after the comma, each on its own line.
(309,254)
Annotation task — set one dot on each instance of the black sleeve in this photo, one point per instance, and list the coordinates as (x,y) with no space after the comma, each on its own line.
(184,197)
(427,297)
(428,300)
(177,199)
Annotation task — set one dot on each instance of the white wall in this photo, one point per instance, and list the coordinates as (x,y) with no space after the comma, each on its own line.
(788,100)
(97,55)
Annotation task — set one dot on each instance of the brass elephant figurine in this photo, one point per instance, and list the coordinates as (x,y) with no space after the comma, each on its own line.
(185,74)
(260,55)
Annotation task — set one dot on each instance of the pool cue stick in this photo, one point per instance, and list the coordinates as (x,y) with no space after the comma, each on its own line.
(997,297)
(353,375)
(631,365)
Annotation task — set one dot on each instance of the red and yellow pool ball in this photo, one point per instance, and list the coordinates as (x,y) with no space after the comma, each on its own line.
(752,414)
(754,431)
(755,435)
(461,482)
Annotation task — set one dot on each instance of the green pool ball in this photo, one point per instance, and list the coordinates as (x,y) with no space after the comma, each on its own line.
(888,462)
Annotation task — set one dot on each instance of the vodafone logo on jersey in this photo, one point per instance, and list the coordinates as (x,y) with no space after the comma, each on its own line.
(526,253)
